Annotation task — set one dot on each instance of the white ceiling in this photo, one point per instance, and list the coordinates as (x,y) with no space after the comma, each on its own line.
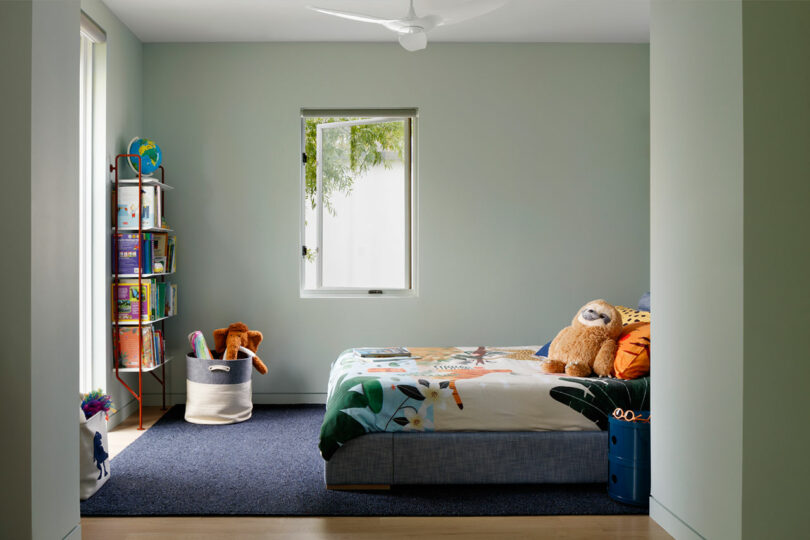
(592,21)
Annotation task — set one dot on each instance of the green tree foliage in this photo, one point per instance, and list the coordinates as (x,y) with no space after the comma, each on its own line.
(347,154)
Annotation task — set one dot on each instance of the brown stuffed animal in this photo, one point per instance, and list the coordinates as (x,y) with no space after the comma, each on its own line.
(588,345)
(228,340)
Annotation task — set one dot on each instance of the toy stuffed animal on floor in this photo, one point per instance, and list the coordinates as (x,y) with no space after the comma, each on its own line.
(228,340)
(588,345)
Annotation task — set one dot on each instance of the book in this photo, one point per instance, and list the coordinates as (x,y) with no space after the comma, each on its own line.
(160,243)
(382,352)
(128,253)
(160,304)
(161,348)
(129,302)
(128,347)
(148,217)
(170,255)
(146,260)
(127,212)
(171,302)
(158,207)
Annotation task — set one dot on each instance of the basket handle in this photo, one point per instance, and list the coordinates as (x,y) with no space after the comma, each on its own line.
(219,368)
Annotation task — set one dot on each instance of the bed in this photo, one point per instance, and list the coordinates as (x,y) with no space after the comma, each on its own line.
(466,415)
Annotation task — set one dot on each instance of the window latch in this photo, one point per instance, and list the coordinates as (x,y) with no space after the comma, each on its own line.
(375,291)
(303,157)
(303,251)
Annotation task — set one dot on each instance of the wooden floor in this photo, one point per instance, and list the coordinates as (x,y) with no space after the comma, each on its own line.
(127,431)
(368,528)
(362,528)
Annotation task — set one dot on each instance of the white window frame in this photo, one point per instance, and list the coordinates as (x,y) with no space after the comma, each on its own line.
(368,116)
(93,239)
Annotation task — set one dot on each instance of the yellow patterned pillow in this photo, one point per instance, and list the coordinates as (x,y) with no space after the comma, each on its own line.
(630,315)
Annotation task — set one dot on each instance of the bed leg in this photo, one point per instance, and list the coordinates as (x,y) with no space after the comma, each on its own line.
(358,487)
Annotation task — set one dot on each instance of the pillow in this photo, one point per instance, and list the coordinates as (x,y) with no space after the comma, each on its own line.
(543,351)
(633,353)
(644,302)
(630,315)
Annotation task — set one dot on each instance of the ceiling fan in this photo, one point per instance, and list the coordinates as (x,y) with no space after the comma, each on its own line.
(412,30)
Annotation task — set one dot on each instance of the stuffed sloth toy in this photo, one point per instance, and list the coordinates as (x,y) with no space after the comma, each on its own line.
(588,345)
(228,340)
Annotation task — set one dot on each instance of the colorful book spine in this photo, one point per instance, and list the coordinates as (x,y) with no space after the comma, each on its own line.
(146,260)
(148,218)
(161,346)
(161,299)
(171,299)
(170,254)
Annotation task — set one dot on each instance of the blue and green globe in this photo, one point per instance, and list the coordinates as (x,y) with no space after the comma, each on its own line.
(149,152)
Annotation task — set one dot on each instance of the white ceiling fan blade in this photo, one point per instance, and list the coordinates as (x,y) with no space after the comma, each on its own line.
(352,16)
(413,41)
(470,10)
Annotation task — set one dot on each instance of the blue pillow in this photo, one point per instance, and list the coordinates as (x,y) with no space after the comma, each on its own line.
(644,302)
(543,351)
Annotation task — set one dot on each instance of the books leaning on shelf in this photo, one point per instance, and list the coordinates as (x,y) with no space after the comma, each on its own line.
(156,300)
(171,265)
(127,211)
(153,255)
(129,302)
(153,347)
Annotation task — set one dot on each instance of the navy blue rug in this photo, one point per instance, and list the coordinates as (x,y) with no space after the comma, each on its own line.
(270,466)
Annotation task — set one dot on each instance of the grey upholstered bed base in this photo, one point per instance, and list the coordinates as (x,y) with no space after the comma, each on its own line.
(509,457)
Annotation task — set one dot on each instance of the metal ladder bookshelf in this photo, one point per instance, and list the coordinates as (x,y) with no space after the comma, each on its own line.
(116,276)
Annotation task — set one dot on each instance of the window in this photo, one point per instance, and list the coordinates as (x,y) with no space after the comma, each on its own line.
(91,231)
(357,194)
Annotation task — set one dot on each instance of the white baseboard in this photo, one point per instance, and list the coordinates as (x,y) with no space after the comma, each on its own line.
(258,399)
(123,413)
(75,533)
(180,398)
(671,523)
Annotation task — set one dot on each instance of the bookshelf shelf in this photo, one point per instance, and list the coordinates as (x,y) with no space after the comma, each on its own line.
(159,274)
(143,369)
(143,292)
(135,323)
(144,229)
(145,182)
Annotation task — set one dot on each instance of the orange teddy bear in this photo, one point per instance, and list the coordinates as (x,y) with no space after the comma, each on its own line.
(228,340)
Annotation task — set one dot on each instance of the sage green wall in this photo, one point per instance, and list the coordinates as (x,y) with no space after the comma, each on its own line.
(696,266)
(776,444)
(124,111)
(15,317)
(730,132)
(533,191)
(40,91)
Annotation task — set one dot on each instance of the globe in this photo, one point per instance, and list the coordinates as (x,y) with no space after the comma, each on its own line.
(150,155)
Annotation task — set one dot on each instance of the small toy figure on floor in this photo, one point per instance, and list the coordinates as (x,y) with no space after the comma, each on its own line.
(100,455)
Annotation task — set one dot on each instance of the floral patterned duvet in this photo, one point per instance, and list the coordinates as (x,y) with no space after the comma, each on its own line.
(465,389)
